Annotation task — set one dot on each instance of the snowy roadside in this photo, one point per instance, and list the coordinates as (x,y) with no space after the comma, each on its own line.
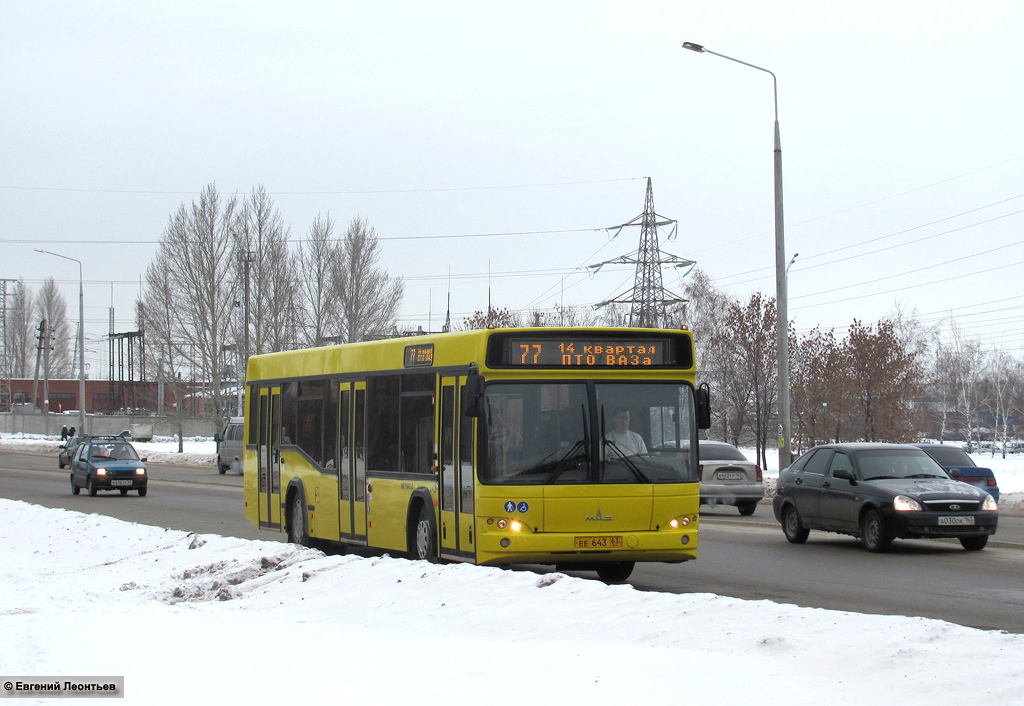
(91,595)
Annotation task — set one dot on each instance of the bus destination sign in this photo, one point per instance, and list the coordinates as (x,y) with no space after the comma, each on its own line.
(586,353)
(419,356)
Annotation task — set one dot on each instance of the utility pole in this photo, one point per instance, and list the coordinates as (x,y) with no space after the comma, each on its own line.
(39,355)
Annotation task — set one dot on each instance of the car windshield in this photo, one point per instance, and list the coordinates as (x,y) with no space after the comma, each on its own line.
(717,451)
(878,464)
(579,433)
(113,452)
(950,456)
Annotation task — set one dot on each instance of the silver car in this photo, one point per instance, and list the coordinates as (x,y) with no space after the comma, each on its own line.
(728,478)
(230,446)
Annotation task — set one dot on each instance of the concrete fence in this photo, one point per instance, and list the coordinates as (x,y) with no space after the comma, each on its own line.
(50,424)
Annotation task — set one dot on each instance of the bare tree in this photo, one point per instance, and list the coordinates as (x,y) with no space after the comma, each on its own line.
(753,344)
(820,388)
(369,298)
(190,290)
(960,366)
(886,380)
(497,318)
(318,260)
(166,353)
(1003,380)
(51,306)
(21,330)
(614,316)
(274,298)
(705,313)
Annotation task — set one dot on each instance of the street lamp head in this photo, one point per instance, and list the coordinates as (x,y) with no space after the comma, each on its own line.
(694,47)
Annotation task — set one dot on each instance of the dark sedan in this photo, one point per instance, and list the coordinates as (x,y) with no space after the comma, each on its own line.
(880,492)
(955,458)
(108,464)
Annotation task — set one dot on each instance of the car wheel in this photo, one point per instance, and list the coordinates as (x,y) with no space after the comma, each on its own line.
(795,532)
(873,534)
(75,490)
(220,466)
(91,487)
(615,571)
(746,509)
(124,491)
(425,541)
(60,464)
(974,544)
(297,523)
(142,492)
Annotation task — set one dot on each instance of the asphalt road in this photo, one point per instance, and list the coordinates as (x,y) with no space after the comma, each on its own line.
(742,557)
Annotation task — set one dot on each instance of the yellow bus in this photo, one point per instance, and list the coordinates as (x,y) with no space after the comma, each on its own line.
(569,447)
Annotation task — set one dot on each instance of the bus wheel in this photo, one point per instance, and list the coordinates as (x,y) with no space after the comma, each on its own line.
(426,536)
(615,571)
(297,522)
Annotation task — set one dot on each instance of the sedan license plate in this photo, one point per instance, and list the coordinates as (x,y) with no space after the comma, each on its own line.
(729,475)
(956,520)
(598,542)
(120,482)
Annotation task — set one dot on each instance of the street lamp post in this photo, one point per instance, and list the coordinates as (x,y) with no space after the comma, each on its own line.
(781,304)
(81,339)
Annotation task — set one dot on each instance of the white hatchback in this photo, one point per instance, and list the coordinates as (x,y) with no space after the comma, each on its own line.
(728,478)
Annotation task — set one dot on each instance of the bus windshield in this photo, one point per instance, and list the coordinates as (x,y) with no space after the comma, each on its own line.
(568,433)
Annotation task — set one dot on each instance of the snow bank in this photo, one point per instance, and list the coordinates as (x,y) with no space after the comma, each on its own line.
(185,616)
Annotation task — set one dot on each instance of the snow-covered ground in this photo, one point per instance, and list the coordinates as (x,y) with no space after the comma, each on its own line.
(185,617)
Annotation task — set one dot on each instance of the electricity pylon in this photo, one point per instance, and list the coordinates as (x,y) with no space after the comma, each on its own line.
(648,298)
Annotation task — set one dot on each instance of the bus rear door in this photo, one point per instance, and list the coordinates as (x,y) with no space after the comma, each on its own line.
(269,458)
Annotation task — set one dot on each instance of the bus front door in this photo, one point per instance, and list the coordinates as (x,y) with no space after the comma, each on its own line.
(269,458)
(455,433)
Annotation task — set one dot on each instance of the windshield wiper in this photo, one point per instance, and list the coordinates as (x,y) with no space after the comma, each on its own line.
(626,461)
(566,461)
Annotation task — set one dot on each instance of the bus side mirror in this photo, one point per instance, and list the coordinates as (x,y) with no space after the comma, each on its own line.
(473,396)
(703,400)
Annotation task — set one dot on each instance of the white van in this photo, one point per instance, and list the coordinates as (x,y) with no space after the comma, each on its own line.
(230,446)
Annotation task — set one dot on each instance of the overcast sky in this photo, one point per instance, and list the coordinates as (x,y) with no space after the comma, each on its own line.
(903,152)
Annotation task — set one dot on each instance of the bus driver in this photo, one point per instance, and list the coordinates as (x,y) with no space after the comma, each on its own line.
(628,442)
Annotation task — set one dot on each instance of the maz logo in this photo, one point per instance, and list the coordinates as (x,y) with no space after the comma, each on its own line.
(599,517)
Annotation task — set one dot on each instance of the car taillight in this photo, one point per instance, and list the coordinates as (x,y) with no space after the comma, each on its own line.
(991,483)
(760,476)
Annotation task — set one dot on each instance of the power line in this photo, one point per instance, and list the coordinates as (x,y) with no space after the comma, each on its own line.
(912,286)
(890,235)
(354,192)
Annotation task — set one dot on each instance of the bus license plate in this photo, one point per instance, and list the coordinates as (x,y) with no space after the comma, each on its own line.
(956,520)
(598,542)
(120,482)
